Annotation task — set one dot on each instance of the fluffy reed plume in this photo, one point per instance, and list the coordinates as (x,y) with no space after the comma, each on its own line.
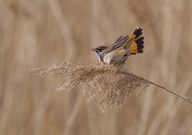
(113,84)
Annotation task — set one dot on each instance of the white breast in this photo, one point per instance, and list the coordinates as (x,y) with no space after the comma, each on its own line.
(115,57)
(108,58)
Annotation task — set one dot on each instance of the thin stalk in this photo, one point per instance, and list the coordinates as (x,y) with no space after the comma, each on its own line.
(172,92)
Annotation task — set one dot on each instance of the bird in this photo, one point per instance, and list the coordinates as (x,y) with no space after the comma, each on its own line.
(124,46)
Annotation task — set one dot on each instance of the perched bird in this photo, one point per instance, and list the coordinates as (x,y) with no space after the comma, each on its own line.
(124,46)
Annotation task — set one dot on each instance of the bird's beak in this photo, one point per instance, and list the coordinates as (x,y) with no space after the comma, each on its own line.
(93,49)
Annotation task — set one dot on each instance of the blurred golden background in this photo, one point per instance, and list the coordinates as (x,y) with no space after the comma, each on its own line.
(36,33)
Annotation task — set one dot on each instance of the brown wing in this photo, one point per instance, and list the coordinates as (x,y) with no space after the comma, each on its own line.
(118,43)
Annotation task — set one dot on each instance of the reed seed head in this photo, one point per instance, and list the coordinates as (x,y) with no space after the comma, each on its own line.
(111,83)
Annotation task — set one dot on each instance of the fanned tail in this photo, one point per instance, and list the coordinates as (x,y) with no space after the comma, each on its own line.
(137,46)
(136,34)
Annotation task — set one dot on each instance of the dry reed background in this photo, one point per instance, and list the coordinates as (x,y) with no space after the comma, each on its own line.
(35,33)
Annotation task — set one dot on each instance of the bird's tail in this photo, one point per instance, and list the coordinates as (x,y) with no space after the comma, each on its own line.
(136,34)
(137,46)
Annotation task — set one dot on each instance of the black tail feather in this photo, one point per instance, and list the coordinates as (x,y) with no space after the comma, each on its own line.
(138,32)
(140,44)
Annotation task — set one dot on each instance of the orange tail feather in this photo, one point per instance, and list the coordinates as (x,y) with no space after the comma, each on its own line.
(137,46)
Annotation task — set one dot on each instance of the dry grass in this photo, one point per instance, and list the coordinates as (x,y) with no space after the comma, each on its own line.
(115,84)
(34,33)
(112,82)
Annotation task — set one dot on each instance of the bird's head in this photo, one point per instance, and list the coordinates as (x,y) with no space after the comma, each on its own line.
(98,50)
